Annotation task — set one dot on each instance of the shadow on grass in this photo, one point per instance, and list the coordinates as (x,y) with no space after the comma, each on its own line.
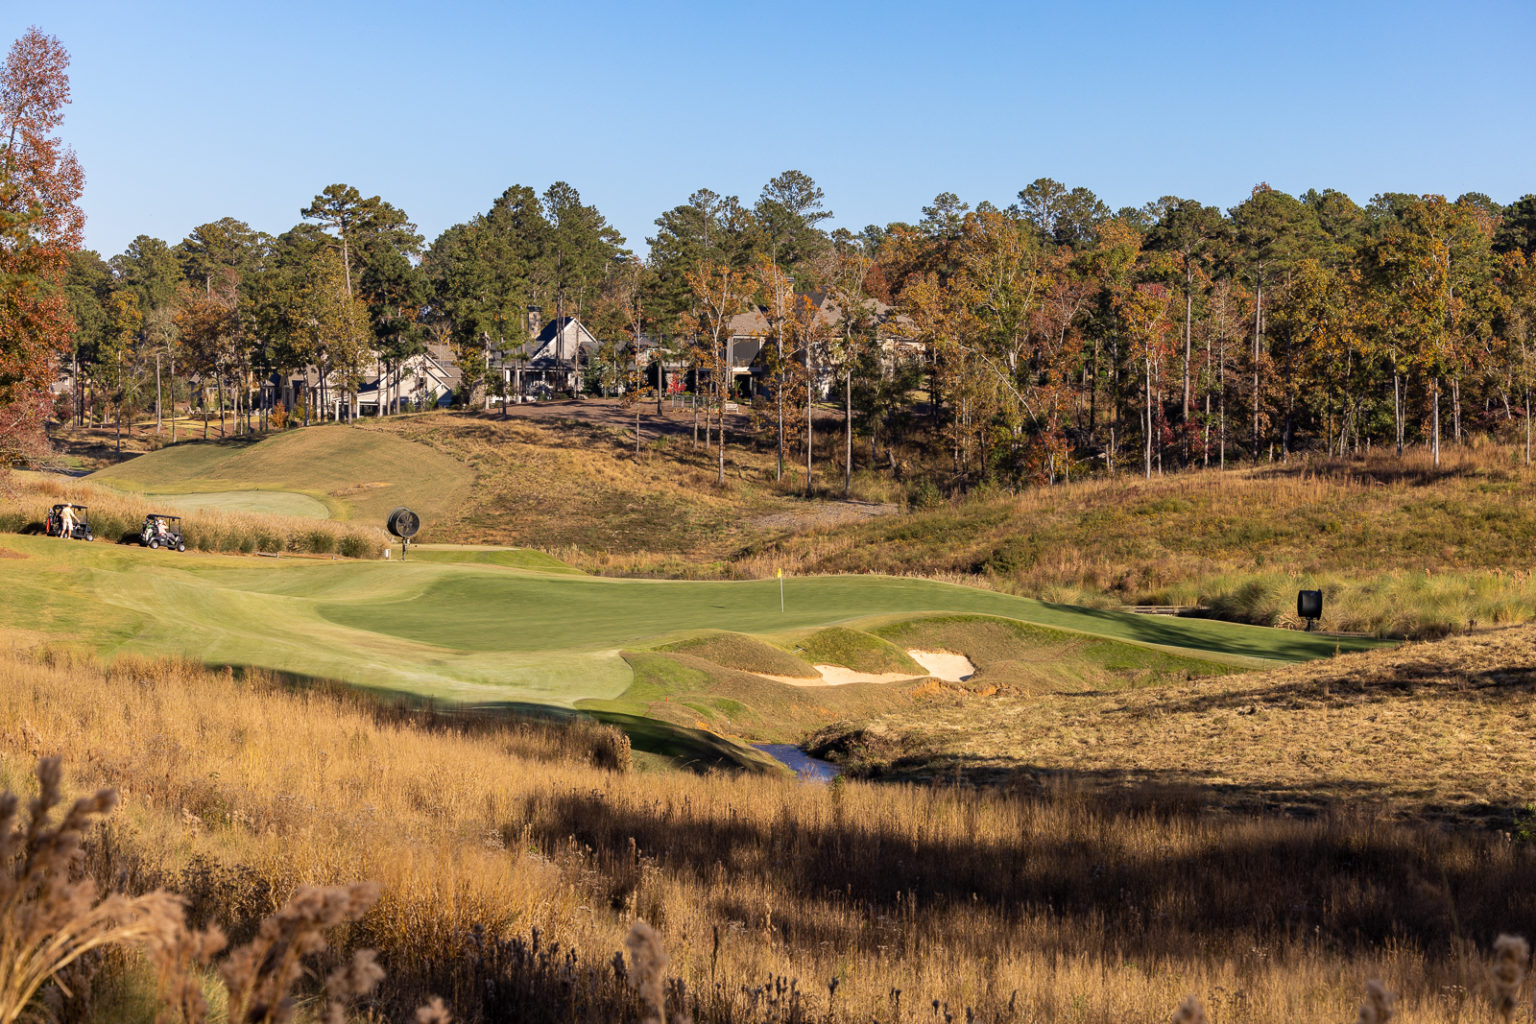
(1384,472)
(1151,868)
(1257,642)
(581,731)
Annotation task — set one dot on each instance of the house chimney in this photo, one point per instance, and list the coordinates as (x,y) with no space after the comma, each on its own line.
(535,321)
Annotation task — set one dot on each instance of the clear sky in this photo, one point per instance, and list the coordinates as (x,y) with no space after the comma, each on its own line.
(186,112)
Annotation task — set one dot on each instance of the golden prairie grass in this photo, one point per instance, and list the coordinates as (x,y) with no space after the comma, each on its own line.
(511,869)
(116,517)
(1428,730)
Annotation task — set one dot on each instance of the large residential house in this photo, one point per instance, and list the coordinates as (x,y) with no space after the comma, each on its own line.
(424,381)
(752,335)
(555,358)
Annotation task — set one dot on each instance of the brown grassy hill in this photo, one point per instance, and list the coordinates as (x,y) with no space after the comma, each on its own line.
(1443,729)
(1399,546)
(577,487)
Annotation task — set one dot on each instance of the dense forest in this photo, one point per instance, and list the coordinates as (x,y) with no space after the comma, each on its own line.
(1049,337)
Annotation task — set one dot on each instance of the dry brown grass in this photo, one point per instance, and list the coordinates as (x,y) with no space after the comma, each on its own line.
(116,517)
(1440,730)
(577,489)
(1399,546)
(511,870)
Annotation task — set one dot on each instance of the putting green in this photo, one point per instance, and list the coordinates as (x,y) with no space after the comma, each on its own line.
(489,633)
(281,503)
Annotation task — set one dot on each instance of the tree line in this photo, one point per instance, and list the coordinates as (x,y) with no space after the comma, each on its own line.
(1049,337)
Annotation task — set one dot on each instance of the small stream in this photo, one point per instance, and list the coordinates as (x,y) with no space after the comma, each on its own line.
(798,761)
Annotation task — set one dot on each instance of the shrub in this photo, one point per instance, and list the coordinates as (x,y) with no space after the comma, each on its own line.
(355,545)
(319,542)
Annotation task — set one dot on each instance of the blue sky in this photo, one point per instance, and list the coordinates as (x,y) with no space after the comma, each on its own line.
(186,112)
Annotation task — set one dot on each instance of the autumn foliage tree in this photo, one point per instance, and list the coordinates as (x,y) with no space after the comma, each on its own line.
(40,225)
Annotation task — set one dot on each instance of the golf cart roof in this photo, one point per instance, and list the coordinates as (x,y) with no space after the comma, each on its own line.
(161,515)
(69,504)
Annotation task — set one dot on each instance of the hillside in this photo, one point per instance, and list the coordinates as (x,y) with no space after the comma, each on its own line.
(1399,547)
(336,471)
(1443,730)
(560,484)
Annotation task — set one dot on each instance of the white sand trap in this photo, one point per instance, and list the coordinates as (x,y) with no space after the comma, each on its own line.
(954,668)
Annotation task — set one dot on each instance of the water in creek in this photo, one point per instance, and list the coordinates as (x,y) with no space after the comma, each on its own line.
(798,761)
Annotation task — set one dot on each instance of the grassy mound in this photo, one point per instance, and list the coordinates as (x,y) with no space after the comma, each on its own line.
(355,473)
(858,650)
(690,691)
(744,653)
(1032,659)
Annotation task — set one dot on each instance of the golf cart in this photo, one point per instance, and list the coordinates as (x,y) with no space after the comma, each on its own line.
(71,522)
(162,531)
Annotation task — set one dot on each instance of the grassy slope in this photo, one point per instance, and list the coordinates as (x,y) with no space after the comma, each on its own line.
(1398,547)
(563,484)
(1440,729)
(354,473)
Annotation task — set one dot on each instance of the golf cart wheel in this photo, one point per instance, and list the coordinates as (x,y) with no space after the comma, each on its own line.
(89,536)
(180,546)
(154,542)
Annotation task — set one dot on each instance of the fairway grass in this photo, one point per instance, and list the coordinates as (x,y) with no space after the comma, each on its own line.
(354,473)
(476,633)
(258,502)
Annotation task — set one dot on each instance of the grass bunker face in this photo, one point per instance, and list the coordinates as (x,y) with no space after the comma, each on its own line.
(162,531)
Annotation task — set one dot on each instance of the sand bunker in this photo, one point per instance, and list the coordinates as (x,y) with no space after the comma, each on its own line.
(956,668)
(953,668)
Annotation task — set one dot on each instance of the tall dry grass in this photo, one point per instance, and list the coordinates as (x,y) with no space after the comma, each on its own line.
(511,869)
(118,517)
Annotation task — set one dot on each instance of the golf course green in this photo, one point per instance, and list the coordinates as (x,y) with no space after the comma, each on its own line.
(479,632)
(333,471)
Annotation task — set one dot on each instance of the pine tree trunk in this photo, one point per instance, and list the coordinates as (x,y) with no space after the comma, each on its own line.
(1435,386)
(848,433)
(810,438)
(779,400)
(1148,364)
(1257,335)
(1397,409)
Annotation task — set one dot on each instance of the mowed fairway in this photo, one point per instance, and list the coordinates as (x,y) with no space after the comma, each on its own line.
(489,633)
(337,471)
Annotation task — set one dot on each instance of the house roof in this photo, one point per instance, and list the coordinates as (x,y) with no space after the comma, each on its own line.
(754,322)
